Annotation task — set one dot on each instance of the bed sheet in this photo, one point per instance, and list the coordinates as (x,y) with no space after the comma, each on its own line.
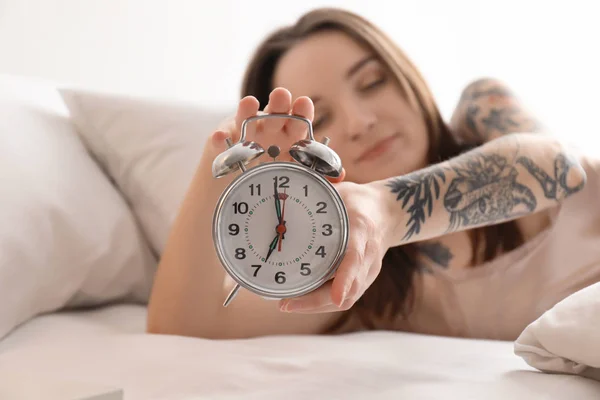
(108,346)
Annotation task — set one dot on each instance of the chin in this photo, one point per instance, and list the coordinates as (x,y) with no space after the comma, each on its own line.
(366,175)
(370,173)
(397,161)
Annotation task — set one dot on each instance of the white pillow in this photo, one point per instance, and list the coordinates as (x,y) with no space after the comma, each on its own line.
(150,147)
(67,237)
(566,338)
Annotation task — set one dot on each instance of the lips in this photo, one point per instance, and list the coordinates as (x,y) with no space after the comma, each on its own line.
(377,149)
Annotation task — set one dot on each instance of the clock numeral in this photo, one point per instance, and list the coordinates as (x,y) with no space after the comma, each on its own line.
(240,208)
(256,270)
(284,181)
(305,187)
(328,230)
(240,253)
(321,251)
(254,187)
(234,229)
(304,270)
(322,206)
(280,277)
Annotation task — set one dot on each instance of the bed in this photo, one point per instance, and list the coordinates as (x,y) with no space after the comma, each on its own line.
(88,195)
(108,346)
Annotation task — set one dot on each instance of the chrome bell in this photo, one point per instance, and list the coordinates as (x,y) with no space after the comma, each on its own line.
(315,155)
(238,155)
(308,152)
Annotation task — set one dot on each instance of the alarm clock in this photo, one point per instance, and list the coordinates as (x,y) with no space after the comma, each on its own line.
(280,228)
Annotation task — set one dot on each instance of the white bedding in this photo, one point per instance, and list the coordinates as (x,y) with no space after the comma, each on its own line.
(109,346)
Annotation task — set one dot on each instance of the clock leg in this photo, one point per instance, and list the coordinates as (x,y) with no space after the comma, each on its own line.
(231,295)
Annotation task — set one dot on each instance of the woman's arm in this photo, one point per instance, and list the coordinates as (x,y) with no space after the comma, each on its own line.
(506,178)
(511,174)
(188,285)
(489,109)
(191,284)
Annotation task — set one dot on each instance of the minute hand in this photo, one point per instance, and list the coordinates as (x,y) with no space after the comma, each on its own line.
(277,203)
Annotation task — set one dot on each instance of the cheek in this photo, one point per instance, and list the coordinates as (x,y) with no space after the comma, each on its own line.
(397,112)
(414,146)
(343,151)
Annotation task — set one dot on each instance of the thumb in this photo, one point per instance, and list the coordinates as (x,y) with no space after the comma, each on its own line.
(214,145)
(217,141)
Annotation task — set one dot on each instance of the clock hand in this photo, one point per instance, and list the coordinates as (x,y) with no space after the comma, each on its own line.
(281,227)
(277,203)
(272,247)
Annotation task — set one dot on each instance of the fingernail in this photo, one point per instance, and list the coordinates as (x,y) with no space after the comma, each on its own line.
(283,306)
(291,306)
(344,294)
(342,299)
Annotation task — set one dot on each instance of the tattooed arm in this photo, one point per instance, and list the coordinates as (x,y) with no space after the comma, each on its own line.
(506,178)
(488,109)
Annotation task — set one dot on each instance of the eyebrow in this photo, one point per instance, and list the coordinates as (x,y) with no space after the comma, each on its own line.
(353,70)
(358,65)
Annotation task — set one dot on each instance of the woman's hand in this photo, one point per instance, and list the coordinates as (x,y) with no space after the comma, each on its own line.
(361,264)
(189,264)
(283,133)
(266,132)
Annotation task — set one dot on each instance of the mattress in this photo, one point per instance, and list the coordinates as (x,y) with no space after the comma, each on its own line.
(108,346)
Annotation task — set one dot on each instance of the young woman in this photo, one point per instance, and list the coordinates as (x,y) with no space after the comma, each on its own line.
(470,228)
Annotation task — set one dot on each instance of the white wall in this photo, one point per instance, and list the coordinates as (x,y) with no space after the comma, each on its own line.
(193,50)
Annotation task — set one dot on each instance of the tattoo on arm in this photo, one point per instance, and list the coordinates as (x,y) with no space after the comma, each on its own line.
(486,190)
(418,190)
(484,88)
(490,109)
(498,120)
(555,187)
(484,187)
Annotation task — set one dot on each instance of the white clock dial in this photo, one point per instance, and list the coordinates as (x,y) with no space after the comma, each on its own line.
(280,229)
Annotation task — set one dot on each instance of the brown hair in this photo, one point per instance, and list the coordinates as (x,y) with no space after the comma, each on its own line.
(391,293)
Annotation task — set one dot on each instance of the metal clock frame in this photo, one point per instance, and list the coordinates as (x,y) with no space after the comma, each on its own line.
(280,166)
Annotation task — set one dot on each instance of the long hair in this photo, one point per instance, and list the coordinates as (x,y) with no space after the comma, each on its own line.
(391,294)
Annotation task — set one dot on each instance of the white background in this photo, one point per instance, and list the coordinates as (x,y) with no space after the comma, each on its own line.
(196,50)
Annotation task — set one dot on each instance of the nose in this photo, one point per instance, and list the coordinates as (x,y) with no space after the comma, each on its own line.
(360,120)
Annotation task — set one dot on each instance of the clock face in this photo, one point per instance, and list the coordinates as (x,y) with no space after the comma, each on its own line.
(280,229)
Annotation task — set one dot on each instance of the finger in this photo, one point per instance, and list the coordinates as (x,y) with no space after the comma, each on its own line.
(218,140)
(346,305)
(280,102)
(334,291)
(354,260)
(303,107)
(298,305)
(247,107)
(318,298)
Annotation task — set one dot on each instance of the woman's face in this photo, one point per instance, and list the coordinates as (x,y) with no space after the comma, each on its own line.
(358,105)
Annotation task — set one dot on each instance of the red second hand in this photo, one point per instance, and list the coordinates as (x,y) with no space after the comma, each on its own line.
(281,227)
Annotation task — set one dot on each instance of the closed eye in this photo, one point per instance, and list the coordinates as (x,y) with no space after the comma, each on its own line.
(373,84)
(319,122)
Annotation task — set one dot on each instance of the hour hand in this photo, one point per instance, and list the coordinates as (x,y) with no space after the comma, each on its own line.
(272,247)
